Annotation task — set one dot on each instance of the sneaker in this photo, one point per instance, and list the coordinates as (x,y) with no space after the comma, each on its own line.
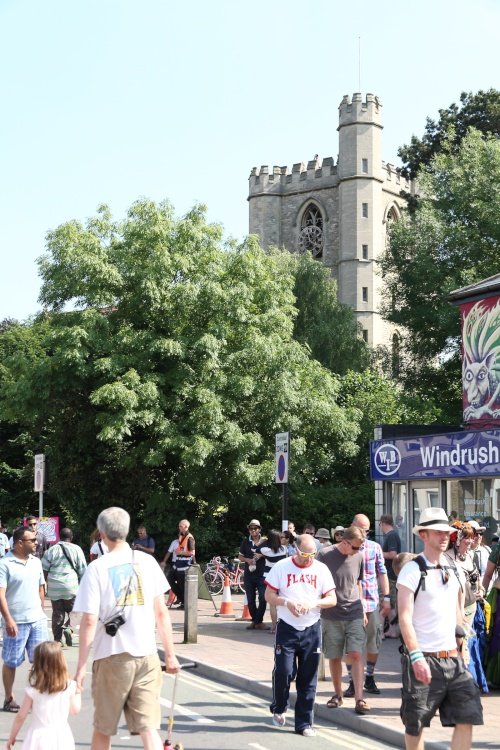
(349,693)
(68,636)
(308,732)
(370,685)
(279,720)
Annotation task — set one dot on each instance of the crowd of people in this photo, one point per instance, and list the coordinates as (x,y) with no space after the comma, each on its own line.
(354,592)
(332,592)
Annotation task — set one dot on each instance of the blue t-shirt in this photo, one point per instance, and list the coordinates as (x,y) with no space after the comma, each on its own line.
(21,581)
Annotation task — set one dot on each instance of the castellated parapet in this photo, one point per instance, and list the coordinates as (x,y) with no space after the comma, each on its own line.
(356,111)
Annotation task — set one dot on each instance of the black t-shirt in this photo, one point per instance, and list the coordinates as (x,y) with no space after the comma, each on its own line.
(392,543)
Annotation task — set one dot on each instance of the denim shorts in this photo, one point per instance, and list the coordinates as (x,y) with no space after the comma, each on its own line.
(452,691)
(29,635)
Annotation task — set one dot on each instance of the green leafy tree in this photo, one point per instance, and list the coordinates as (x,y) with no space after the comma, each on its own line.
(480,111)
(163,391)
(450,241)
(325,325)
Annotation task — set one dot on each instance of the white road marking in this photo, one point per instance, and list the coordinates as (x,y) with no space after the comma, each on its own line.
(331,734)
(257,746)
(199,719)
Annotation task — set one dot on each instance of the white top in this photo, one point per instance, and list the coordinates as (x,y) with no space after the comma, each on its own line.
(110,587)
(300,585)
(435,608)
(96,549)
(49,728)
(4,544)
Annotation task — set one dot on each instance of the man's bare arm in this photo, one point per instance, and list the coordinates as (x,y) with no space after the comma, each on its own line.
(164,627)
(88,625)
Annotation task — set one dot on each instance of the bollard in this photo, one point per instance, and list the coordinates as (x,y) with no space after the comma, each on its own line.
(191,605)
(321,668)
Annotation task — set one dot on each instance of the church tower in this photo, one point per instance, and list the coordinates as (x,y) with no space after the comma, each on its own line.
(338,212)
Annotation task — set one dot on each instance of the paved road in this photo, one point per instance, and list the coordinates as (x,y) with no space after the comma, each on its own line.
(208,716)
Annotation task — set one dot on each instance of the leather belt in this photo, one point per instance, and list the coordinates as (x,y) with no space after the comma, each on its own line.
(442,654)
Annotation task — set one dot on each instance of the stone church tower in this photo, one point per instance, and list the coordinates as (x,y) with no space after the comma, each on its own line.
(338,212)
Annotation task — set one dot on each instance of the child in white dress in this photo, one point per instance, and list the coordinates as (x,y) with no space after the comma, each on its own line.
(51,696)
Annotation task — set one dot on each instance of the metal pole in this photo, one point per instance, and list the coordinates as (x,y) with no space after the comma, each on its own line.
(284,525)
(40,504)
(191,605)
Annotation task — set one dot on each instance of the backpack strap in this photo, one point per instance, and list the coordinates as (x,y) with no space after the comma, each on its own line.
(423,567)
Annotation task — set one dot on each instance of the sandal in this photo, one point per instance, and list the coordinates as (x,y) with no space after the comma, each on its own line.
(361,707)
(11,706)
(335,701)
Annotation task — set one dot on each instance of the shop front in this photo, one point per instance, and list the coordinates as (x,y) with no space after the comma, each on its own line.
(453,467)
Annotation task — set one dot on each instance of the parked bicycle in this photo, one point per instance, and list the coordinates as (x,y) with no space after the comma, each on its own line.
(216,570)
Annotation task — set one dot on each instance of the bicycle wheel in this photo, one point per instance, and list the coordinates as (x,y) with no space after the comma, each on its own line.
(214,580)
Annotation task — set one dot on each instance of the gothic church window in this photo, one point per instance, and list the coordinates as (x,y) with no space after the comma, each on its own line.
(311,232)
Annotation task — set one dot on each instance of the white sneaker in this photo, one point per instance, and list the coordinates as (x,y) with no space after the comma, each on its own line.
(279,720)
(308,732)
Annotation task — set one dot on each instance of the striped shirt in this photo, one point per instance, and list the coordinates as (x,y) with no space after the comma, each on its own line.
(272,557)
(374,565)
(62,577)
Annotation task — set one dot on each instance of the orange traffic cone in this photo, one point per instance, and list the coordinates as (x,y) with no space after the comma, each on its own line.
(226,607)
(245,615)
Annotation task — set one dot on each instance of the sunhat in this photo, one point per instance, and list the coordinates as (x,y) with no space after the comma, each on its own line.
(322,534)
(254,522)
(337,528)
(476,526)
(434,519)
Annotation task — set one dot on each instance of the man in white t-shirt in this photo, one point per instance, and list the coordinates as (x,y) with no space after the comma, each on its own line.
(122,599)
(300,587)
(430,607)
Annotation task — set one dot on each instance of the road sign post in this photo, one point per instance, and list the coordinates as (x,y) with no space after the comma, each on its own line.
(282,453)
(40,480)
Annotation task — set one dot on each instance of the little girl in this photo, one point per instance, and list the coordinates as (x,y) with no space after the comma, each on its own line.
(51,696)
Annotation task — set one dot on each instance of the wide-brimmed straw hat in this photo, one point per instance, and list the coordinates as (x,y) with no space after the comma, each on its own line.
(434,519)
(337,528)
(322,534)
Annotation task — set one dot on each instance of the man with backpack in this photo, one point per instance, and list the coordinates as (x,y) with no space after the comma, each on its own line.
(430,606)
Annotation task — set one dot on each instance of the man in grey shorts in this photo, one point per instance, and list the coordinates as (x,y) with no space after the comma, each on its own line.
(343,629)
(121,598)
(434,675)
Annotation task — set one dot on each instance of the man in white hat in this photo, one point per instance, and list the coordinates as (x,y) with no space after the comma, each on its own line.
(253,575)
(430,608)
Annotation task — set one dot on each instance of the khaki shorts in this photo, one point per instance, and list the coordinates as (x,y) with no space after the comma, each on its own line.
(128,683)
(342,637)
(373,632)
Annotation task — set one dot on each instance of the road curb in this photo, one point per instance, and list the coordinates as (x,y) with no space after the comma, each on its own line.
(344,717)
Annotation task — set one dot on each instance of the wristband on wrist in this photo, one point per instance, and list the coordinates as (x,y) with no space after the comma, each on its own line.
(387,598)
(415,655)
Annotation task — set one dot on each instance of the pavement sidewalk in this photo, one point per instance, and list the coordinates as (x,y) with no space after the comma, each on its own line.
(227,652)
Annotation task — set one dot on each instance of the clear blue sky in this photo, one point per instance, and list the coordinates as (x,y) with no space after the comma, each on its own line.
(109,100)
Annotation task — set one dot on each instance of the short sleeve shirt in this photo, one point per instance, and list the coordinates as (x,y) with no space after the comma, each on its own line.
(310,583)
(391,543)
(22,587)
(347,572)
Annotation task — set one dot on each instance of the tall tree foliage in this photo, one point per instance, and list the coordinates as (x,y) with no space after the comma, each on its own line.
(164,389)
(480,111)
(452,239)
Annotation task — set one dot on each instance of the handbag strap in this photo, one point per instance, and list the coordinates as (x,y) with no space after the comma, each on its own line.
(68,558)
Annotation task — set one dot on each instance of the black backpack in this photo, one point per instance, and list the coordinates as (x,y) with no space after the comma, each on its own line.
(423,567)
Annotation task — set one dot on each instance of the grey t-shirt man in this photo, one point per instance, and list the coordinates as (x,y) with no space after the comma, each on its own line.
(347,572)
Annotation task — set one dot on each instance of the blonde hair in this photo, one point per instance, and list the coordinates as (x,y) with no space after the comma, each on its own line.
(49,672)
(400,560)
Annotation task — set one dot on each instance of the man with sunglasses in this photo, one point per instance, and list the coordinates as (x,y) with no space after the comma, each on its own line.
(344,626)
(22,593)
(301,588)
(253,575)
(42,543)
(430,608)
